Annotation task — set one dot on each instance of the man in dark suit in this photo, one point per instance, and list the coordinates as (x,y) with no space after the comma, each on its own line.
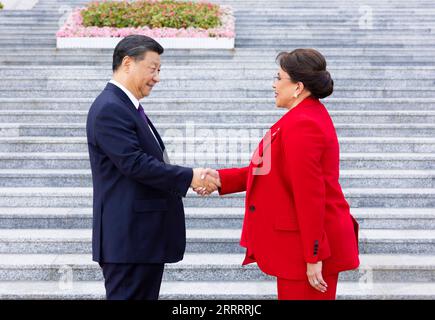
(138,215)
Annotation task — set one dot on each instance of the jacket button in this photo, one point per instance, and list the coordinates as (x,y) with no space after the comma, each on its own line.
(252,208)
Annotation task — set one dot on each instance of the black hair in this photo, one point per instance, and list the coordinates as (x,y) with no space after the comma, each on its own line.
(309,67)
(134,46)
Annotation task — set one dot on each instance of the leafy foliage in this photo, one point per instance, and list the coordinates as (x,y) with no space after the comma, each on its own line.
(152,13)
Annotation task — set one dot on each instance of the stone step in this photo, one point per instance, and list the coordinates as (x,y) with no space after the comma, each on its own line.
(55,241)
(389,14)
(223,59)
(366,161)
(82,197)
(187,118)
(30,21)
(174,56)
(194,83)
(281,38)
(248,4)
(210,267)
(32,123)
(332,33)
(55,59)
(259,81)
(219,70)
(279,21)
(36,44)
(343,129)
(67,61)
(276,19)
(388,11)
(59,56)
(242,13)
(200,104)
(195,143)
(278,10)
(31,41)
(241,52)
(159,92)
(64,60)
(223,69)
(200,218)
(283,46)
(385,13)
(348,178)
(345,43)
(212,290)
(418,31)
(348,25)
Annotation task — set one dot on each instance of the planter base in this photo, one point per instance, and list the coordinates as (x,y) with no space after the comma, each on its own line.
(167,43)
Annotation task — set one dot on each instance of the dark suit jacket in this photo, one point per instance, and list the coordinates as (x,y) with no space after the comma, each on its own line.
(138,214)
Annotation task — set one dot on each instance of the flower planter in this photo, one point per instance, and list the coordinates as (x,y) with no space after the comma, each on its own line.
(73,34)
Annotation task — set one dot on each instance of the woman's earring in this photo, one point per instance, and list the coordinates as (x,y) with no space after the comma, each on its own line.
(296,95)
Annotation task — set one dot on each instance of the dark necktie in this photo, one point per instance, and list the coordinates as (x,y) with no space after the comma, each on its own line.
(145,118)
(142,114)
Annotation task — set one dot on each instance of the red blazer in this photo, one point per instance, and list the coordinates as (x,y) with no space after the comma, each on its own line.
(295,210)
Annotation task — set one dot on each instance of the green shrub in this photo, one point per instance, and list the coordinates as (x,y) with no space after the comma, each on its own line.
(1,5)
(165,13)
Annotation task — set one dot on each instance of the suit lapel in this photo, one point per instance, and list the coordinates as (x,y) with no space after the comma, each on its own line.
(129,104)
(261,158)
(263,146)
(156,133)
(160,142)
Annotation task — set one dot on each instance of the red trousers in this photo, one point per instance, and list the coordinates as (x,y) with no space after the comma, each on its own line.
(302,290)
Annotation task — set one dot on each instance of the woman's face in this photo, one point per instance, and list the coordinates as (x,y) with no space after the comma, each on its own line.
(286,90)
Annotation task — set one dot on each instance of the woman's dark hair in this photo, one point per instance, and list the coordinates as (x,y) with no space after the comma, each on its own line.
(134,46)
(309,67)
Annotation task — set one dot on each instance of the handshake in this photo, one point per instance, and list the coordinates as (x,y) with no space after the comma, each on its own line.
(205,181)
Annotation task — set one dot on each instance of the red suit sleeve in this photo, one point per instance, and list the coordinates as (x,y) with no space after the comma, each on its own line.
(233,180)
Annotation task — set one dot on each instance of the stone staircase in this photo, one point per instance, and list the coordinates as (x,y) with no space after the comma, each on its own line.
(383,108)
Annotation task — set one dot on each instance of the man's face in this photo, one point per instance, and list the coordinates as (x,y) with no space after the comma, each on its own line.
(144,74)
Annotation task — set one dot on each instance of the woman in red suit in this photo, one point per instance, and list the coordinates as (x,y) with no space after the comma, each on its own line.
(297,223)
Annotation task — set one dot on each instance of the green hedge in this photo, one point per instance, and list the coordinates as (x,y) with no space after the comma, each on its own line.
(166,13)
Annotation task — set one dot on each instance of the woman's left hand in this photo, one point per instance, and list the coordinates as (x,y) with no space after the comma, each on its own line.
(314,274)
